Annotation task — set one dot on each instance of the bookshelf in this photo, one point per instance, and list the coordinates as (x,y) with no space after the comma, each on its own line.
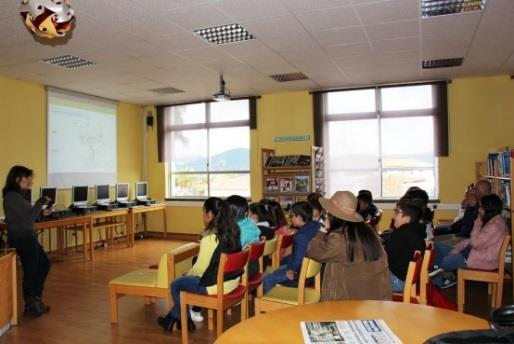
(290,178)
(498,170)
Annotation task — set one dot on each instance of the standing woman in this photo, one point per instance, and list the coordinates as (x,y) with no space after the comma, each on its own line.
(356,263)
(20,216)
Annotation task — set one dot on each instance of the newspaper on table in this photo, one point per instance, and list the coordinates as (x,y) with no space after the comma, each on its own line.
(348,332)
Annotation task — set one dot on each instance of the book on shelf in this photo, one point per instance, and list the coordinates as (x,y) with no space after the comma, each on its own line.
(291,160)
(498,164)
(286,184)
(276,161)
(304,160)
(348,331)
(271,183)
(302,184)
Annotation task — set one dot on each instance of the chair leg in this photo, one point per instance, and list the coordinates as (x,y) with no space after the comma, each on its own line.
(257,305)
(244,309)
(210,319)
(460,291)
(113,300)
(492,287)
(183,318)
(499,294)
(219,322)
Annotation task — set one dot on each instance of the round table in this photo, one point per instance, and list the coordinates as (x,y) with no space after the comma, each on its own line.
(411,323)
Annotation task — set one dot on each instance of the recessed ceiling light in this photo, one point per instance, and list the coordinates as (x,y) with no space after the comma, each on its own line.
(68,61)
(288,77)
(163,91)
(432,8)
(442,63)
(224,34)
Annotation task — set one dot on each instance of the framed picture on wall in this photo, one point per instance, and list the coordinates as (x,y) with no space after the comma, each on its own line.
(286,184)
(271,183)
(302,184)
(286,202)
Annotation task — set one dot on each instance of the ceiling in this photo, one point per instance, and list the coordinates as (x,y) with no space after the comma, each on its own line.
(141,45)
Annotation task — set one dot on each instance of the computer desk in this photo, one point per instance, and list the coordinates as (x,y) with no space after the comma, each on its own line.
(143,210)
(112,219)
(81,223)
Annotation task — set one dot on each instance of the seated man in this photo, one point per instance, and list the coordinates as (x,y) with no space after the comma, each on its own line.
(291,265)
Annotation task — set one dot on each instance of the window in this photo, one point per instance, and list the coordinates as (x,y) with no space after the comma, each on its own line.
(209,147)
(380,139)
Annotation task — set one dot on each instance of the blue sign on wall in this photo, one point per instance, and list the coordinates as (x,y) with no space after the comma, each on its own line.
(292,138)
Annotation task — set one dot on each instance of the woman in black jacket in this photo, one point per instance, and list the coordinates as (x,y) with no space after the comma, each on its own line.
(20,217)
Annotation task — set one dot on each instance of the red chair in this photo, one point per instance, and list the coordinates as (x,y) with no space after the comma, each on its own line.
(411,281)
(256,252)
(220,302)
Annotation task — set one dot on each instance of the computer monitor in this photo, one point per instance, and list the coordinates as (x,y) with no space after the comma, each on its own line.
(79,195)
(27,194)
(103,194)
(142,191)
(122,192)
(50,193)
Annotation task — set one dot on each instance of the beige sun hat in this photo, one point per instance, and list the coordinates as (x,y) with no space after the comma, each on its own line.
(342,204)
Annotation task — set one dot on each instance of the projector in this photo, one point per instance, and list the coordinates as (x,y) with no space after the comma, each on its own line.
(222,95)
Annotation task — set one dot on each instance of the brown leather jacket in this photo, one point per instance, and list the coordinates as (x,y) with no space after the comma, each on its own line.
(344,280)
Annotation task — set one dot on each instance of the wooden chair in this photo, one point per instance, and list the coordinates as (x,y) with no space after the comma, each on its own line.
(412,279)
(153,283)
(424,279)
(270,248)
(493,277)
(220,302)
(254,282)
(283,242)
(282,297)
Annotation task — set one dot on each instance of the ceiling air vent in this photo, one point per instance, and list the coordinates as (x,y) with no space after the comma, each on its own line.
(442,63)
(69,62)
(288,77)
(433,8)
(164,91)
(224,34)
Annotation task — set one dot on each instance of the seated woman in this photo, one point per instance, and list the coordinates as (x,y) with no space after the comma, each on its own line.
(221,236)
(481,250)
(356,263)
(261,217)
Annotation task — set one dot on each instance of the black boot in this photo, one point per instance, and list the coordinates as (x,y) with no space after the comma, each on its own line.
(167,322)
(30,309)
(191,327)
(40,306)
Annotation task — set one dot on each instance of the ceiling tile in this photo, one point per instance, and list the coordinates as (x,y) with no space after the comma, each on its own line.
(198,17)
(399,44)
(407,28)
(300,6)
(388,11)
(327,19)
(349,49)
(241,10)
(203,54)
(340,36)
(455,23)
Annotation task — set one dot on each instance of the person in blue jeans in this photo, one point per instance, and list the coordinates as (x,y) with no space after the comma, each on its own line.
(290,266)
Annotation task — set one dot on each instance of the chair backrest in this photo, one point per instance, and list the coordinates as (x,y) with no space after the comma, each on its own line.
(162,272)
(270,247)
(232,262)
(503,250)
(283,242)
(180,260)
(413,276)
(428,259)
(256,250)
(310,268)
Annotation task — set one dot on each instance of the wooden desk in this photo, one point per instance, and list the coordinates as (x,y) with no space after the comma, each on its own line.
(411,323)
(8,290)
(144,210)
(81,223)
(111,221)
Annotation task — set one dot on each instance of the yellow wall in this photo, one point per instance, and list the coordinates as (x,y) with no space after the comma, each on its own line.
(23,139)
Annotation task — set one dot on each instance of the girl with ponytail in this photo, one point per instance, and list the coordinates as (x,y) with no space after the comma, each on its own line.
(221,235)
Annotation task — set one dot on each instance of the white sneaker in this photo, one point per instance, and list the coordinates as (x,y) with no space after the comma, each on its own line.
(195,316)
(435,272)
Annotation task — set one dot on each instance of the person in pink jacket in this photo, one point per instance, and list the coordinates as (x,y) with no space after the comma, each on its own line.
(482,249)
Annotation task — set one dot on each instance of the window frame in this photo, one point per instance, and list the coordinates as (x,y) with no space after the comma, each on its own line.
(378,115)
(206,125)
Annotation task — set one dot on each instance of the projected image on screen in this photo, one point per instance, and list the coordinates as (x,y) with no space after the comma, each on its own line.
(81,140)
(79,195)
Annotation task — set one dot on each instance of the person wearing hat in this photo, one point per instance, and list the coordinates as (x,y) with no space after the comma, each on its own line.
(369,211)
(356,263)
